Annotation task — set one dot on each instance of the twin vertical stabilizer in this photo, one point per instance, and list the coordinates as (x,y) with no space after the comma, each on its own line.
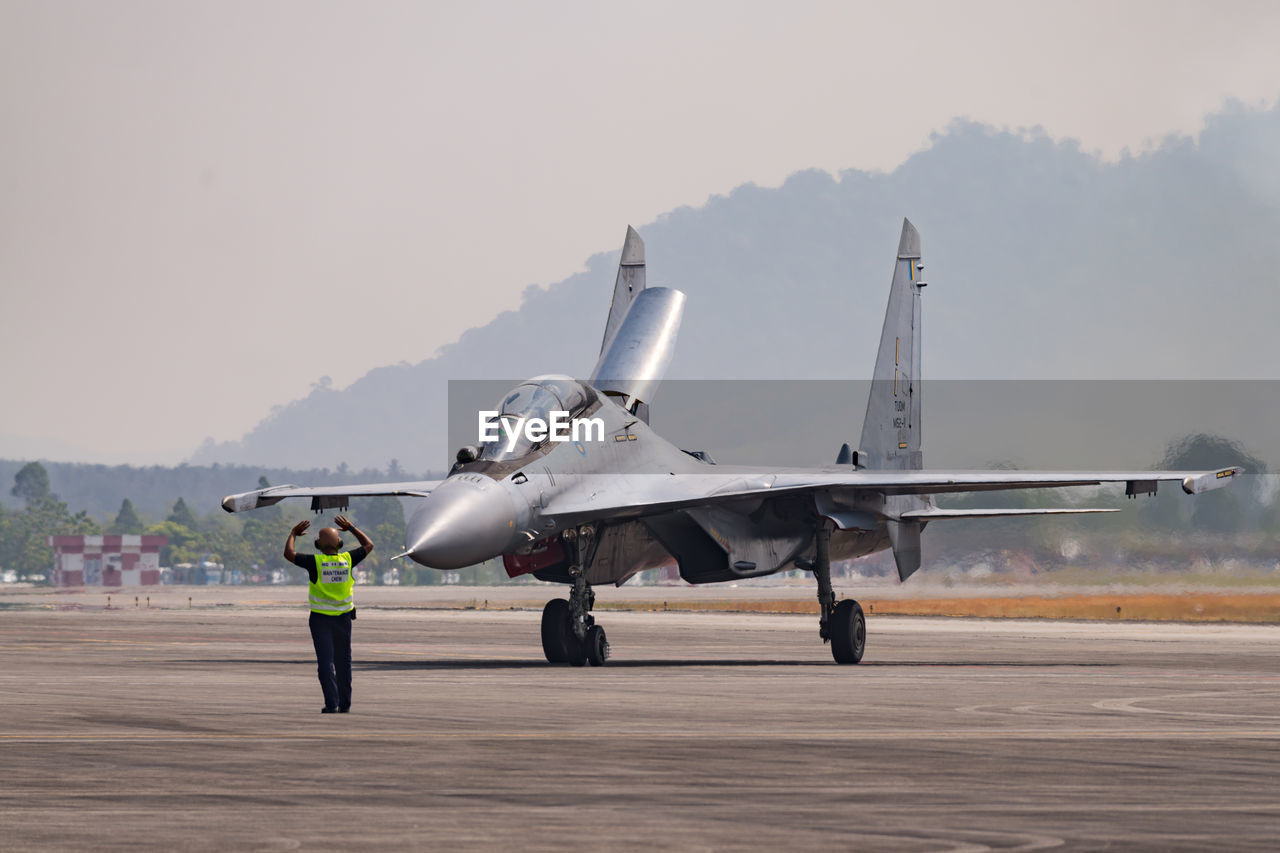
(640,334)
(891,430)
(630,281)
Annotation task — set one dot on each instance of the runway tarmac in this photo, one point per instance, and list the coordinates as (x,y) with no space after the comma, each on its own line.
(199,730)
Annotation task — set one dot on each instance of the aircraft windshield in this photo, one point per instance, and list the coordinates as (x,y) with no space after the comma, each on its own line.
(537,398)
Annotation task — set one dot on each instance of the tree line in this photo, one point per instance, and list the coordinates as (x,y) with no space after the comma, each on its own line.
(248,544)
(98,489)
(1169,530)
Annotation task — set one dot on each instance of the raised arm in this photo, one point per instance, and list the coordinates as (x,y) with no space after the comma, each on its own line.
(298,529)
(343,524)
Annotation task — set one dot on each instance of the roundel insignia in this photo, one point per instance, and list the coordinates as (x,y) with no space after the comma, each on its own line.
(580,447)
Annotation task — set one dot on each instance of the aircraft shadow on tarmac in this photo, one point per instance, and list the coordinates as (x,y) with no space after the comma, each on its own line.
(456,664)
(660,663)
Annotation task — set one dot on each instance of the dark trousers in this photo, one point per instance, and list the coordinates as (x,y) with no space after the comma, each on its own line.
(332,638)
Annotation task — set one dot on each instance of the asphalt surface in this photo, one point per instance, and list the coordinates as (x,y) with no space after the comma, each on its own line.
(200,729)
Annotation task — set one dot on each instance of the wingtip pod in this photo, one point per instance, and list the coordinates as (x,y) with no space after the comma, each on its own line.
(1199,483)
(632,249)
(250,500)
(909,243)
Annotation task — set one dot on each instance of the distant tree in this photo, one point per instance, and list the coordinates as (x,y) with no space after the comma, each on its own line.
(1224,510)
(383,520)
(182,515)
(185,544)
(23,544)
(31,483)
(1204,451)
(225,545)
(270,514)
(7,523)
(127,521)
(264,539)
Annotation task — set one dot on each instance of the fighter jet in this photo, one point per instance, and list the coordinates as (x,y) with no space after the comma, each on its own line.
(601,509)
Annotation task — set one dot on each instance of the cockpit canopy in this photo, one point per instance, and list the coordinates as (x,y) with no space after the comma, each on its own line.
(535,398)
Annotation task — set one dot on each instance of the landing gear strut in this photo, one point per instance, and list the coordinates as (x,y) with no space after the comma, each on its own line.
(569,631)
(843,625)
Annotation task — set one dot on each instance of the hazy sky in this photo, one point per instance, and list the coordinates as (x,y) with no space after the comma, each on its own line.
(206,207)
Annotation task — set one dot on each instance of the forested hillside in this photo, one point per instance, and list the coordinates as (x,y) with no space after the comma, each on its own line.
(1044,262)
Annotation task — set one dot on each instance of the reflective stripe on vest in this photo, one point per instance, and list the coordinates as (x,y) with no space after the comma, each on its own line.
(332,591)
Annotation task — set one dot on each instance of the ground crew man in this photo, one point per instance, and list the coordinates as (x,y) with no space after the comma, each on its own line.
(333,608)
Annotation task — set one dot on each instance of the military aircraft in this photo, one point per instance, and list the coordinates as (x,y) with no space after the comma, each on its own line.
(591,512)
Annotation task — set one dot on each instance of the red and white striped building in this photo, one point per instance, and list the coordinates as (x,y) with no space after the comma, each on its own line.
(106,560)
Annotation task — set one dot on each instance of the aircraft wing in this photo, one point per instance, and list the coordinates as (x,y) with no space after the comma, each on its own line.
(633,496)
(325,497)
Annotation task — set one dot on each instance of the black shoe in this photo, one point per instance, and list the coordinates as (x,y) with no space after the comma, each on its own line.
(328,710)
(345,710)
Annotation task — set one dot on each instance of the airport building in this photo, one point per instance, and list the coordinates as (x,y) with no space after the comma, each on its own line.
(106,560)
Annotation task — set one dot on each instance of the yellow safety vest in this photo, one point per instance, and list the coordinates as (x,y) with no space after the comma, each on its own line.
(332,590)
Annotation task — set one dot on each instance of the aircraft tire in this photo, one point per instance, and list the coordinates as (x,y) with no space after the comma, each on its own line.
(555,625)
(848,632)
(597,646)
(575,649)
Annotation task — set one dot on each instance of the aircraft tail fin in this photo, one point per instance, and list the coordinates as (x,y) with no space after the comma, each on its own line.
(630,281)
(640,334)
(891,430)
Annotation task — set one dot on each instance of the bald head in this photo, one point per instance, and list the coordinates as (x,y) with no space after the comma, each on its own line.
(329,540)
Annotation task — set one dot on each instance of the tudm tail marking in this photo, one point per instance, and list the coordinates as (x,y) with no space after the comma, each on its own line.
(891,430)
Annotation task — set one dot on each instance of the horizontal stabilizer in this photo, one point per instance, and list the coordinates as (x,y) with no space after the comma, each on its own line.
(934,514)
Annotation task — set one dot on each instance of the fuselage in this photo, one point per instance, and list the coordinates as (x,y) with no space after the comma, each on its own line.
(504,504)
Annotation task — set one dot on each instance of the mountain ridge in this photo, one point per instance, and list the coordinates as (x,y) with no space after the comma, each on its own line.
(1046,261)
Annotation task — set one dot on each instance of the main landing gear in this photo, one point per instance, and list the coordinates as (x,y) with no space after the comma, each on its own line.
(569,631)
(843,624)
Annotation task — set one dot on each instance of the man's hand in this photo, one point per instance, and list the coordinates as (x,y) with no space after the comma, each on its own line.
(365,542)
(298,529)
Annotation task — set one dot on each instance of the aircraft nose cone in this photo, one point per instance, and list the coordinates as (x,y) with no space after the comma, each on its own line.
(461,523)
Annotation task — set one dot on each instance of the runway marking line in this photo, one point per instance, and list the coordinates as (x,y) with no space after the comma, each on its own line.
(1076,734)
